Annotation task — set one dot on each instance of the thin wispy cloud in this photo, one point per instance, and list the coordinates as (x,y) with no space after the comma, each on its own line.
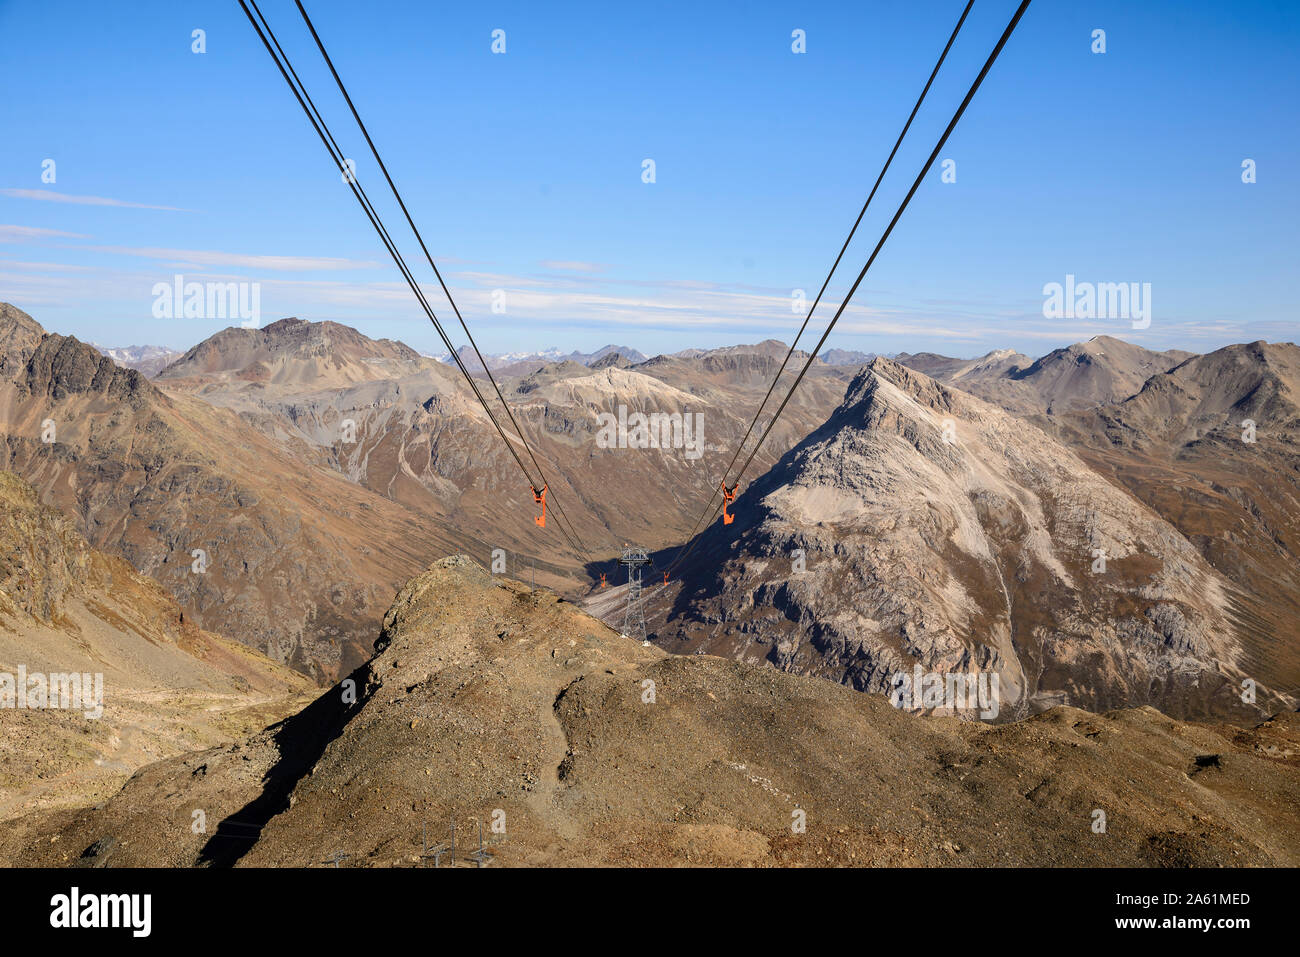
(209,257)
(50,196)
(24,234)
(489,279)
(44,267)
(580,303)
(568,265)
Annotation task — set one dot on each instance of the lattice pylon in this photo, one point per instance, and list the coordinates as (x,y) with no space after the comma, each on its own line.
(634,612)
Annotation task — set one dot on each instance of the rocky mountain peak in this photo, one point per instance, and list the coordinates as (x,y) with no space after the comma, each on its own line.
(939,530)
(61,367)
(901,383)
(298,352)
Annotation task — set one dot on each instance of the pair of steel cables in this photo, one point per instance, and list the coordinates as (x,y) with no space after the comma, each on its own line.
(539,487)
(728,491)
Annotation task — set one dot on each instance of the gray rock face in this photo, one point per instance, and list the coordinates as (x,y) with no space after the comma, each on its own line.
(938,530)
(1213,445)
(1081,376)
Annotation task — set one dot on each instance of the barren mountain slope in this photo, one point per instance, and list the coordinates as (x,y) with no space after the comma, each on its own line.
(1082,376)
(940,531)
(167,686)
(490,702)
(293,351)
(1181,445)
(296,561)
(419,437)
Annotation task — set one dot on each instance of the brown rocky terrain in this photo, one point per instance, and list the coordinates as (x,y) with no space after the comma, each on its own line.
(240,448)
(975,555)
(1182,445)
(299,562)
(167,687)
(422,440)
(1085,375)
(937,530)
(489,701)
(295,352)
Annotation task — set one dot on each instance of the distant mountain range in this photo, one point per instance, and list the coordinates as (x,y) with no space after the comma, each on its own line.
(1081,376)
(243,442)
(845,357)
(516,360)
(1101,527)
(1097,445)
(149,360)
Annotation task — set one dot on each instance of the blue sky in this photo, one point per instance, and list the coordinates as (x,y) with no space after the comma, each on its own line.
(524,169)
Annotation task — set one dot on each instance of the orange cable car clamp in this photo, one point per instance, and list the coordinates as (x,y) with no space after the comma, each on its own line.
(728,496)
(540,499)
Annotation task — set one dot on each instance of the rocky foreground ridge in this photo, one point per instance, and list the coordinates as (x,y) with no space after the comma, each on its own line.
(489,701)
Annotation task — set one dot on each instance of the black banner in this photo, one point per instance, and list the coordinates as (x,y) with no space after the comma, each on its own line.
(331,905)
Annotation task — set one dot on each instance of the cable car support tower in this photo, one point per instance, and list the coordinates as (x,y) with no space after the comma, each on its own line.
(635,558)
